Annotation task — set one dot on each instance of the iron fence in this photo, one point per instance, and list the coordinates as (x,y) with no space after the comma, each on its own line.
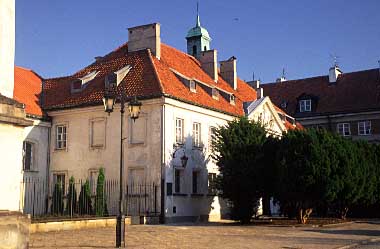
(84,198)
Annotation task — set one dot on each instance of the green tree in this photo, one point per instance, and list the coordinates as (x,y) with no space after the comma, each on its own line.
(85,203)
(71,206)
(57,200)
(101,202)
(238,151)
(300,173)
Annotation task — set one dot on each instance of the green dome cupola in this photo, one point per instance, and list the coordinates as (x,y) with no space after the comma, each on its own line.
(198,39)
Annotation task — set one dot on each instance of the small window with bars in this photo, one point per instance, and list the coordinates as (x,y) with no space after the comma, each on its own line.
(305,105)
(197,135)
(193,86)
(61,137)
(179,133)
(212,190)
(27,156)
(344,129)
(364,128)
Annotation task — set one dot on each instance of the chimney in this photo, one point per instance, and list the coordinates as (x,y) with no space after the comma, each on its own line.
(7,47)
(146,36)
(228,71)
(260,93)
(281,79)
(209,63)
(255,84)
(334,73)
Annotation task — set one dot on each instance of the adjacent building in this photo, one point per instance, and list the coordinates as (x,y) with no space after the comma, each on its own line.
(345,103)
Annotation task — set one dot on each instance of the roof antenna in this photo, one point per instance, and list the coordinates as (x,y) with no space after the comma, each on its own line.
(253,75)
(283,72)
(335,60)
(198,24)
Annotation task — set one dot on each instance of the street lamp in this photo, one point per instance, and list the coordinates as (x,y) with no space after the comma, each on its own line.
(134,107)
(183,158)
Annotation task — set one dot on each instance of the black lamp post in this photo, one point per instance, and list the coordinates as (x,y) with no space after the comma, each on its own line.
(134,107)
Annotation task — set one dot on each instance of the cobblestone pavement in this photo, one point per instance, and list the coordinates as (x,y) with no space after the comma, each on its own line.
(216,235)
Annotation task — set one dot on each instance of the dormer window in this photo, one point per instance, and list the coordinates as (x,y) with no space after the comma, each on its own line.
(232,99)
(215,94)
(305,105)
(121,73)
(284,104)
(76,85)
(89,77)
(193,86)
(79,84)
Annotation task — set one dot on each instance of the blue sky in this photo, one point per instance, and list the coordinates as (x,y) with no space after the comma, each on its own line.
(57,38)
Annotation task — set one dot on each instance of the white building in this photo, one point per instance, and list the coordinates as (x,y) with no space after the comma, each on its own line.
(14,225)
(183,99)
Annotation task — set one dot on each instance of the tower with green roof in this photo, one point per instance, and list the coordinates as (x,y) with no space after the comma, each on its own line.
(198,39)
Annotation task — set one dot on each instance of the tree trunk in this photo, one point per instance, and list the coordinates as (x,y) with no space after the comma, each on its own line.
(303,215)
(266,205)
(343,213)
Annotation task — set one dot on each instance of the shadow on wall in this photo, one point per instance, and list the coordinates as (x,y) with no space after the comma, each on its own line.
(192,189)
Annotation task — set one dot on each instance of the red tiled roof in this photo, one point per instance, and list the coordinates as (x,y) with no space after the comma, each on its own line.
(140,81)
(288,124)
(27,89)
(149,77)
(353,92)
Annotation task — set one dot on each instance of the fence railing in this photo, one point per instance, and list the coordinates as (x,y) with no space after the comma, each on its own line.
(84,198)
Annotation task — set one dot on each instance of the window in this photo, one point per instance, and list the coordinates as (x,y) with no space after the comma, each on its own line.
(27,156)
(197,135)
(344,129)
(305,105)
(136,176)
(211,137)
(232,99)
(193,86)
(195,182)
(194,50)
(364,127)
(59,178)
(212,183)
(177,180)
(138,130)
(61,138)
(215,94)
(179,131)
(97,133)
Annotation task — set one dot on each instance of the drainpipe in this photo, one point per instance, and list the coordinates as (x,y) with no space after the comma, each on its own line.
(48,166)
(162,205)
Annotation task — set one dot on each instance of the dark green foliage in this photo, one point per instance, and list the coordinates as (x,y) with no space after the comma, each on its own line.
(320,169)
(300,173)
(238,149)
(100,201)
(57,200)
(85,204)
(71,206)
(305,170)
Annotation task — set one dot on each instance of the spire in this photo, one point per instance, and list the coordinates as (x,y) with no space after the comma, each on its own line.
(198,24)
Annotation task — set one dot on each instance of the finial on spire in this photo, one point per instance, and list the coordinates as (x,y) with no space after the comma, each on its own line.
(198,24)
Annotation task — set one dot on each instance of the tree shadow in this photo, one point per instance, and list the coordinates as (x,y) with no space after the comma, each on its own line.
(359,232)
(191,198)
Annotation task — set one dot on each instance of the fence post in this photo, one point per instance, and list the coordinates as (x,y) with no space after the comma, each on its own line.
(155,199)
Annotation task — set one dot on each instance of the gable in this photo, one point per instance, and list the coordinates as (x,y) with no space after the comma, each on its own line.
(264,111)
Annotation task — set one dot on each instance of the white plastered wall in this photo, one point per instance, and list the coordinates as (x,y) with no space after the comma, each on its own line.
(11,139)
